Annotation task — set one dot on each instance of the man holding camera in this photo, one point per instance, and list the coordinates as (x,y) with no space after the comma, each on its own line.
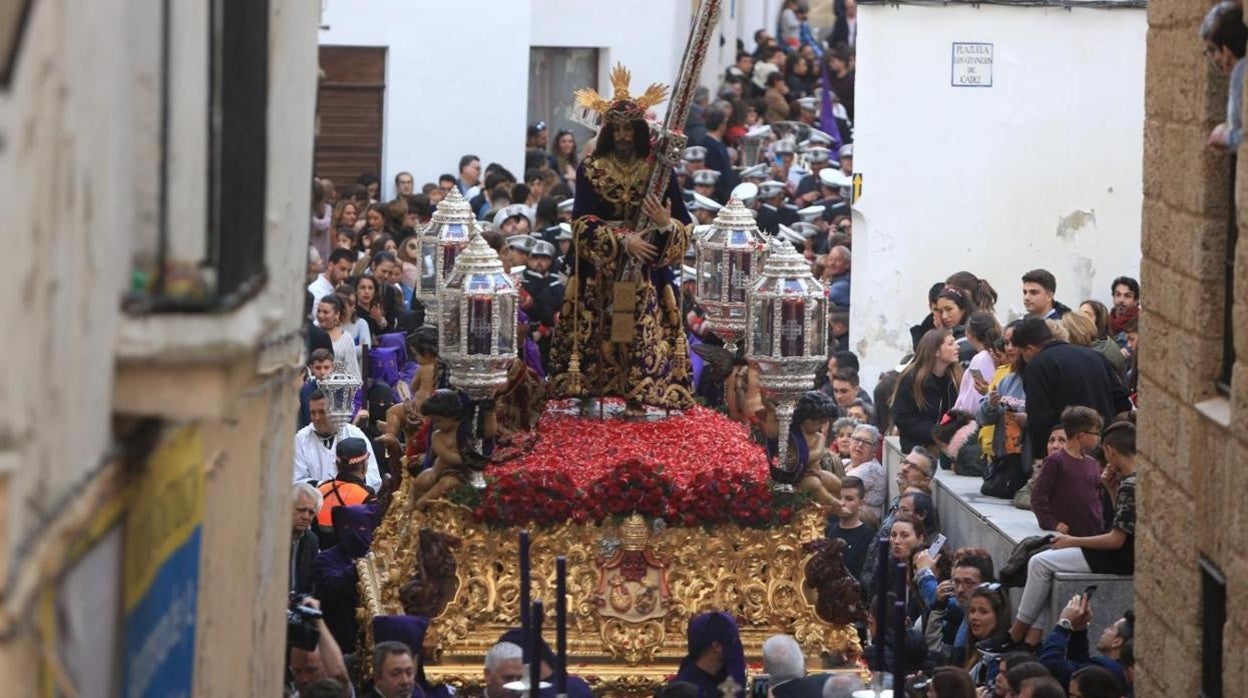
(1065,649)
(316,661)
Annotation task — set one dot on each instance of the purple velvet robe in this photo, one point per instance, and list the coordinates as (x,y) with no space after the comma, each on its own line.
(653,368)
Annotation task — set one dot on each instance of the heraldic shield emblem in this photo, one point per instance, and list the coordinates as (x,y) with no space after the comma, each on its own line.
(632,582)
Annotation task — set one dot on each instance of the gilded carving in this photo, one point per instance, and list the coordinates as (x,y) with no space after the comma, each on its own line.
(628,602)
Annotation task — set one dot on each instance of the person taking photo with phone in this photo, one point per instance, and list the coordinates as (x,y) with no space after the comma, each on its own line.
(1065,648)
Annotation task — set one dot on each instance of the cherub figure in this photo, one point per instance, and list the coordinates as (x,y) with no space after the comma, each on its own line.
(808,451)
(450,454)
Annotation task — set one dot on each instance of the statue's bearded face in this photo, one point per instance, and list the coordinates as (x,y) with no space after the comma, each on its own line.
(623,134)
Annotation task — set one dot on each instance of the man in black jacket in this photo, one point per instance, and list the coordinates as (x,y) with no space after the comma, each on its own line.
(717,154)
(1059,375)
(304,544)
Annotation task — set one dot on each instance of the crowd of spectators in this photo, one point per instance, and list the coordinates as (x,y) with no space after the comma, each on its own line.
(1039,409)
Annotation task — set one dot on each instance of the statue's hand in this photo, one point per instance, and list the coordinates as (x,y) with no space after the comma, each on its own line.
(638,248)
(658,214)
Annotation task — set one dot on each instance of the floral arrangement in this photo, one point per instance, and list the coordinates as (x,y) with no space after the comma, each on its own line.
(698,469)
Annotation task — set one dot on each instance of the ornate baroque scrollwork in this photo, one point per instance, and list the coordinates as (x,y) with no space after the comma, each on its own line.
(780,580)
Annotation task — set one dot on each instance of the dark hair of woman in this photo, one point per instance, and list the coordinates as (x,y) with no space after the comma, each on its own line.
(339,306)
(983,326)
(925,507)
(982,293)
(1100,317)
(556,150)
(546,213)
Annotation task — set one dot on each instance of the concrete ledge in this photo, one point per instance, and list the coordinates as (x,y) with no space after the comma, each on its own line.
(970,519)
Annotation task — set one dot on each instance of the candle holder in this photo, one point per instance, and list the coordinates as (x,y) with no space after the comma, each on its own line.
(729,256)
(441,241)
(787,313)
(477,337)
(340,387)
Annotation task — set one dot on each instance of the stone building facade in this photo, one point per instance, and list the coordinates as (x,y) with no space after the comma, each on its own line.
(145,443)
(1191,581)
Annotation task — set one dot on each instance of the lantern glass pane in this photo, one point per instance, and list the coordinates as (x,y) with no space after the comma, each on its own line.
(428,275)
(738,237)
(507,324)
(450,324)
(480,324)
(455,231)
(792,327)
(740,265)
(764,319)
(477,283)
(819,329)
(448,259)
(794,286)
(712,276)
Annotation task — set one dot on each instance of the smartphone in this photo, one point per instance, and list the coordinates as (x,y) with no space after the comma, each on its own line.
(759,684)
(937,543)
(1087,593)
(977,374)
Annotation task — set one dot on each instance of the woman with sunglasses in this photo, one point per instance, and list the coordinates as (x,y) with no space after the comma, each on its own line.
(987,619)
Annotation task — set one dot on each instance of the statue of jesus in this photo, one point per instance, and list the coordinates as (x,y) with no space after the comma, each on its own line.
(619,332)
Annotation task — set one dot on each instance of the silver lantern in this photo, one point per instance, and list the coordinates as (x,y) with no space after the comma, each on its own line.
(448,232)
(730,255)
(477,336)
(340,387)
(787,314)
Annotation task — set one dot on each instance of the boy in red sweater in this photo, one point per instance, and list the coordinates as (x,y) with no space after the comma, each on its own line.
(1067,494)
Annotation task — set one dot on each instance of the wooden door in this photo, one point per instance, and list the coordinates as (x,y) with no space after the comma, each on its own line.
(350,109)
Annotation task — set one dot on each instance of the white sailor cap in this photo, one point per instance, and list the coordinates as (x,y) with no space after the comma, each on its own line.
(688,273)
(694,153)
(809,103)
(789,235)
(705,177)
(565,232)
(524,243)
(810,213)
(818,137)
(833,178)
(691,251)
(817,153)
(770,188)
(512,211)
(784,146)
(705,203)
(542,248)
(806,230)
(758,171)
(847,150)
(566,205)
(745,192)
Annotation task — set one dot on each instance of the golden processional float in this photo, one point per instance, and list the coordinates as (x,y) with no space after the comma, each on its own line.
(656,520)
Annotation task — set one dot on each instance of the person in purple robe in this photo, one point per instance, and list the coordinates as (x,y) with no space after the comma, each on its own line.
(620,327)
(715,655)
(410,630)
(577,687)
(334,578)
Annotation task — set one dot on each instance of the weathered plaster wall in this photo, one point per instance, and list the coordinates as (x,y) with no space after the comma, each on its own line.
(1042,169)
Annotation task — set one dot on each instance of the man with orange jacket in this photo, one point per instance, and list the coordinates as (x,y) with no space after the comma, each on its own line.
(346,489)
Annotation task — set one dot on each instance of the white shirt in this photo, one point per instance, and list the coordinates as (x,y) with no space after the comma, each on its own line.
(315,462)
(319,289)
